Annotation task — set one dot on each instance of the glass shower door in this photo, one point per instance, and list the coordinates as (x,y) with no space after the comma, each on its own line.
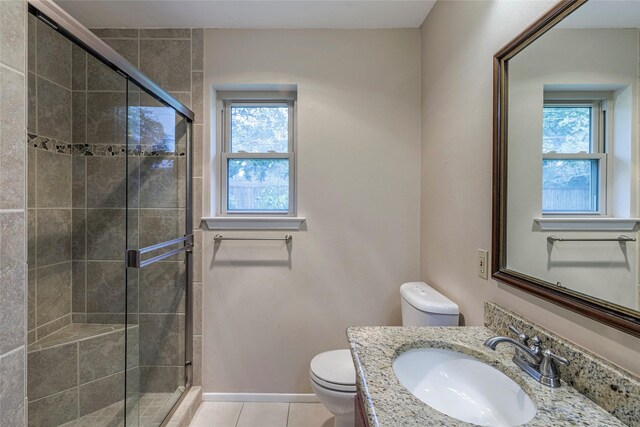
(159,242)
(76,233)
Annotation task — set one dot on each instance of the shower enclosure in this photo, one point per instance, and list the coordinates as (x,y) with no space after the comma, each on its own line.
(110,233)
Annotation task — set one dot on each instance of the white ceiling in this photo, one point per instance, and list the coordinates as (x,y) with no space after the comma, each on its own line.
(249,13)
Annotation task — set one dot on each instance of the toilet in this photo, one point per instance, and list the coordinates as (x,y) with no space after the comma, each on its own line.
(333,377)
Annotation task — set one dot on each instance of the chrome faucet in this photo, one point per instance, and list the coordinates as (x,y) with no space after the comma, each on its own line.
(539,363)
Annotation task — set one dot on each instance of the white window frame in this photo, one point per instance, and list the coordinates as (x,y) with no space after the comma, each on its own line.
(226,100)
(601,128)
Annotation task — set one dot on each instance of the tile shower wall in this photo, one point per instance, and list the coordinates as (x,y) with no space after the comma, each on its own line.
(78,371)
(99,98)
(49,180)
(12,212)
(74,368)
(174,59)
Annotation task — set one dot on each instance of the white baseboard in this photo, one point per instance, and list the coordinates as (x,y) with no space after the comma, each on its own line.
(261,397)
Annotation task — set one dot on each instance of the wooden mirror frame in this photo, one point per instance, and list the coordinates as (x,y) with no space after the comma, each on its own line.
(599,310)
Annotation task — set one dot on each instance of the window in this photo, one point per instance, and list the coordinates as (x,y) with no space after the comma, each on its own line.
(574,160)
(257,154)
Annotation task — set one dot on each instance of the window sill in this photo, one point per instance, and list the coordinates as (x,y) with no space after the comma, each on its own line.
(253,223)
(587,224)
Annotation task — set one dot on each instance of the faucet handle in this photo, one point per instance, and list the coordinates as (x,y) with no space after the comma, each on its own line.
(522,337)
(548,369)
(548,354)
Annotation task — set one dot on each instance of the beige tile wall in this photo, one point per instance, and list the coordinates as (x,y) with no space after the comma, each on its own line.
(79,203)
(174,59)
(72,376)
(49,180)
(99,190)
(78,371)
(13,322)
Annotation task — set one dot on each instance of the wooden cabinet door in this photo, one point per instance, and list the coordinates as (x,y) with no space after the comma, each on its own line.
(361,419)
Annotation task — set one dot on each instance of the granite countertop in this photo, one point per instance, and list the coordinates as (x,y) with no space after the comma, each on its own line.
(387,403)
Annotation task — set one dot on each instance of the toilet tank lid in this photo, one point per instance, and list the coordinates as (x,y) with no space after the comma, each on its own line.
(426,299)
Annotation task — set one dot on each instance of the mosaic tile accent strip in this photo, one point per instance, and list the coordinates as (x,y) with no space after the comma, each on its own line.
(113,150)
(612,388)
(121,150)
(48,144)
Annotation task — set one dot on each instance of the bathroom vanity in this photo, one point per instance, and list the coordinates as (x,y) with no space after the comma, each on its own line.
(610,397)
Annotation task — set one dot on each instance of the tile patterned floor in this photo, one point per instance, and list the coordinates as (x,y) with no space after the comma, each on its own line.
(111,416)
(256,414)
(153,408)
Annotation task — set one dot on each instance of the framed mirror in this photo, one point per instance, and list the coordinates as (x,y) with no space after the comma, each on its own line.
(565,168)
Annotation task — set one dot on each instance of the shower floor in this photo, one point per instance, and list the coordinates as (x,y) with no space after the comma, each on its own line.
(153,409)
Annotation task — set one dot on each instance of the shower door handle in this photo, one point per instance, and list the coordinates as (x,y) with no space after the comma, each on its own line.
(134,256)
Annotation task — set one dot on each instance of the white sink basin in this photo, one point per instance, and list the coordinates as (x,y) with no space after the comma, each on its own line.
(463,387)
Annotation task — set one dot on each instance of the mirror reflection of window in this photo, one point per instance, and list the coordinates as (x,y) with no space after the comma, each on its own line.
(574,165)
(572,143)
(569,178)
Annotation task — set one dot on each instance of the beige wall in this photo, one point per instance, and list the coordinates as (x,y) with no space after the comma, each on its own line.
(267,312)
(458,41)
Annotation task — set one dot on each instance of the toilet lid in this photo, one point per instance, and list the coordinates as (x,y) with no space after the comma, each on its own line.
(335,367)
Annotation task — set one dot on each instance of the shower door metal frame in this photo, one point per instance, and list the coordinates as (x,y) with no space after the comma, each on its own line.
(65,24)
(134,260)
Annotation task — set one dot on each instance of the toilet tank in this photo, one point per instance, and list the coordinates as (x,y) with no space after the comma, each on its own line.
(424,306)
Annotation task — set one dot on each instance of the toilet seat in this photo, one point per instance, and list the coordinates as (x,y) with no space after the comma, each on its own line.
(334,370)
(333,386)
